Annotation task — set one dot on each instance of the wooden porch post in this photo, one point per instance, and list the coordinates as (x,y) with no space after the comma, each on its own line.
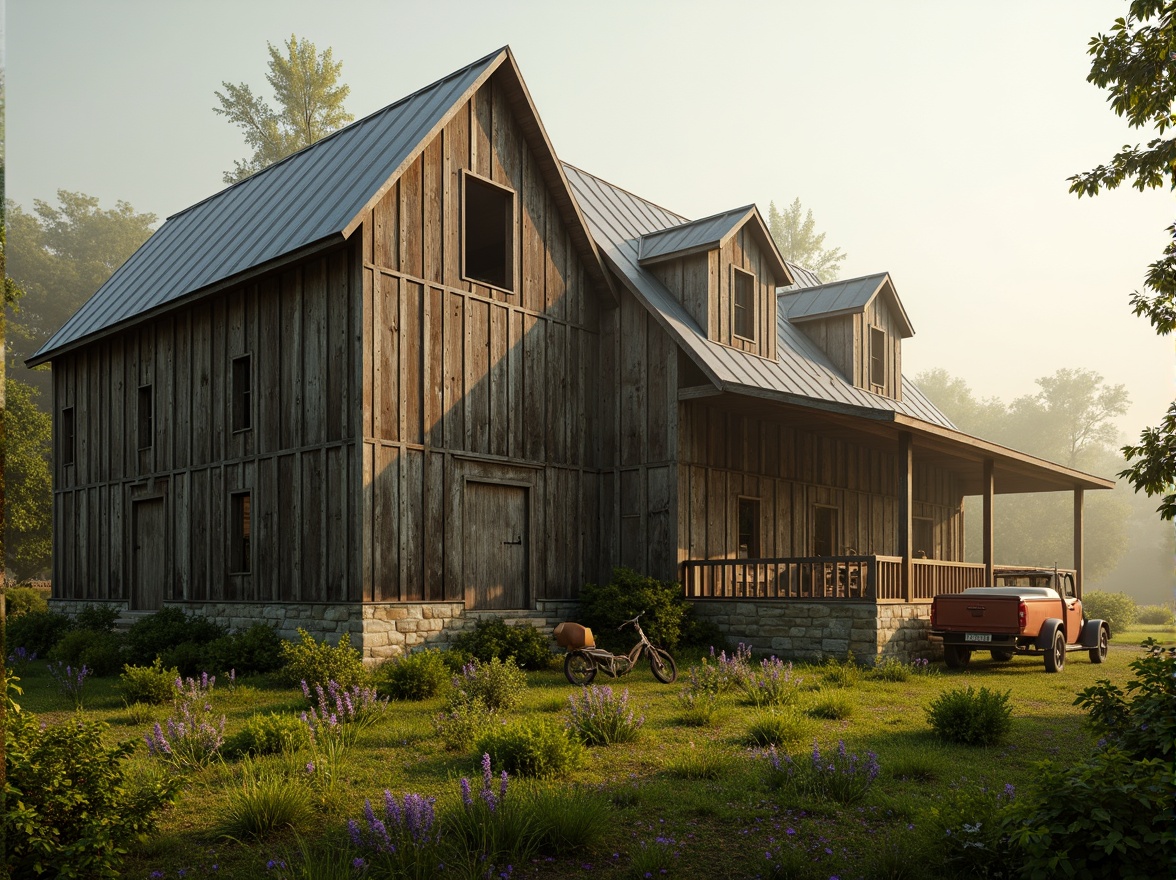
(905,524)
(986,527)
(1079,527)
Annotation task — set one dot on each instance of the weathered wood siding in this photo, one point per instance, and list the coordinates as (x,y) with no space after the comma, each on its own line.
(727,456)
(846,340)
(299,326)
(703,283)
(464,382)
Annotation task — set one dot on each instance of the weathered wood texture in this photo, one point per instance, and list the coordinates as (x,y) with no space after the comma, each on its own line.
(846,340)
(297,458)
(725,457)
(467,385)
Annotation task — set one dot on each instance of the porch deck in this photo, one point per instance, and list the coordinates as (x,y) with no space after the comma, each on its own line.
(875,579)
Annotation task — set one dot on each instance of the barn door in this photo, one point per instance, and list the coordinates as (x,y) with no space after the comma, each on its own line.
(496,545)
(150,555)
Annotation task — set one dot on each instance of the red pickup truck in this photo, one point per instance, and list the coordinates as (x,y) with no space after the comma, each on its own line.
(1031,611)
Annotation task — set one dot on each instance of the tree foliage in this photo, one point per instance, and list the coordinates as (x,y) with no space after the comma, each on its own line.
(1134,63)
(795,234)
(310,105)
(28,491)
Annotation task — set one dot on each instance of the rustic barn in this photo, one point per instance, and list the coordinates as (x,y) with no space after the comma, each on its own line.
(423,371)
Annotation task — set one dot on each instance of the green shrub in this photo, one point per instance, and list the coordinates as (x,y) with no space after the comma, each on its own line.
(499,685)
(319,662)
(971,717)
(831,705)
(666,616)
(1140,721)
(462,723)
(102,652)
(269,734)
(966,822)
(890,669)
(37,631)
(188,657)
(248,652)
(100,618)
(537,747)
(20,600)
(413,677)
(841,673)
(148,684)
(72,809)
(1155,615)
(600,718)
(777,727)
(1117,609)
(161,632)
(493,638)
(1107,816)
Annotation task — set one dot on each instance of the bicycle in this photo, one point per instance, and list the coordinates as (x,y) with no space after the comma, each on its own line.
(582,664)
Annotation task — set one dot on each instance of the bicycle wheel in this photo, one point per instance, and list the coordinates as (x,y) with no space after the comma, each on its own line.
(662,665)
(579,668)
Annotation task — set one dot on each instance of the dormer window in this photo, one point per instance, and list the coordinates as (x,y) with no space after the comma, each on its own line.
(877,356)
(743,300)
(488,214)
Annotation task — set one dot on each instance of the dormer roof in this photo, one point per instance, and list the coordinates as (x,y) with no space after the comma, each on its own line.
(700,236)
(849,297)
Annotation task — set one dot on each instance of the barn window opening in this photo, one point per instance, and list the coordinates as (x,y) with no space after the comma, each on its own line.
(240,550)
(67,435)
(242,393)
(488,233)
(923,537)
(877,356)
(146,417)
(744,304)
(824,531)
(749,528)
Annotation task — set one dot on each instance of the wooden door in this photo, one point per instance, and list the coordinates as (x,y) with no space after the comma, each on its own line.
(495,546)
(150,556)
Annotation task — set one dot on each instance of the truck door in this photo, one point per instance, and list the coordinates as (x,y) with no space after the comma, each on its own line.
(1073,607)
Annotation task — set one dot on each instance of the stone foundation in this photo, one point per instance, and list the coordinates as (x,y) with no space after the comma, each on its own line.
(815,629)
(379,630)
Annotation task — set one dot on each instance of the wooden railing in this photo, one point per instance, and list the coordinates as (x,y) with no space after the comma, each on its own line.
(868,578)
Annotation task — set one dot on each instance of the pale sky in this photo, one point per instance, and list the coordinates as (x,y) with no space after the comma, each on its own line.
(931,140)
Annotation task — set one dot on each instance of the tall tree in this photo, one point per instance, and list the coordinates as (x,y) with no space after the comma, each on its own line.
(28,489)
(1134,63)
(310,105)
(795,234)
(1071,415)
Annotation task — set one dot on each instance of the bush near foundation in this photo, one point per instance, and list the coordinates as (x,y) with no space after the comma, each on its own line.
(317,662)
(413,677)
(20,600)
(667,618)
(163,633)
(1117,609)
(37,631)
(493,638)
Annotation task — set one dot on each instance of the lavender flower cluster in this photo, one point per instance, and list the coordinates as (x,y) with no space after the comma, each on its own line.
(840,776)
(194,735)
(336,705)
(71,681)
(20,659)
(601,717)
(409,823)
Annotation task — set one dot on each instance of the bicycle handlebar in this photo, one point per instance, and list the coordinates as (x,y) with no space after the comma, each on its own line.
(627,622)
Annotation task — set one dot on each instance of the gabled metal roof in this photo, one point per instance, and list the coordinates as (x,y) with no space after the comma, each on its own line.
(802,373)
(848,297)
(700,236)
(802,278)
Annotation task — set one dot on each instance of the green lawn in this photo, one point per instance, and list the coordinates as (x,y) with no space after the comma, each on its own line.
(707,827)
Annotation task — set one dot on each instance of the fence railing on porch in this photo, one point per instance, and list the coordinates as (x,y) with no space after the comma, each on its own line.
(865,578)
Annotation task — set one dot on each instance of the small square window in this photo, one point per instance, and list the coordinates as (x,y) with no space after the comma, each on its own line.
(877,356)
(488,215)
(242,393)
(146,417)
(744,304)
(67,435)
(749,529)
(240,545)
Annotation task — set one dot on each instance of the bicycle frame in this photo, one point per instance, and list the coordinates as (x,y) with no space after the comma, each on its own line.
(616,665)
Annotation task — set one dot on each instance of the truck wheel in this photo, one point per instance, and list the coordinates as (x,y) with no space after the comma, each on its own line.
(1099,654)
(1055,657)
(1002,656)
(956,657)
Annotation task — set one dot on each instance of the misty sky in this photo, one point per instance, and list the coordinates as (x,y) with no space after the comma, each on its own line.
(931,140)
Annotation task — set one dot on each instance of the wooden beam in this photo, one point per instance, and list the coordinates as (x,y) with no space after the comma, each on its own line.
(986,526)
(905,511)
(1079,526)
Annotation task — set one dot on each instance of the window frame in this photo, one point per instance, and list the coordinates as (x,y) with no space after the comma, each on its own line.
(68,436)
(836,514)
(242,398)
(467,178)
(750,310)
(241,531)
(756,534)
(145,417)
(877,356)
(923,522)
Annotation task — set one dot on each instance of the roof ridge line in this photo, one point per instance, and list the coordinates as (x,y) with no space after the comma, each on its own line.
(629,192)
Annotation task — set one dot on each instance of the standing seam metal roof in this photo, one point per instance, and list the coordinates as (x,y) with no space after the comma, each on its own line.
(685,237)
(619,220)
(313,194)
(843,298)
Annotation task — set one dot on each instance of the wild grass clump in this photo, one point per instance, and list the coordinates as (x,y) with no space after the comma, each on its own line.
(890,669)
(708,762)
(567,820)
(971,717)
(777,727)
(655,858)
(265,802)
(539,748)
(413,677)
(269,734)
(318,662)
(148,684)
(830,705)
(841,673)
(599,717)
(838,775)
